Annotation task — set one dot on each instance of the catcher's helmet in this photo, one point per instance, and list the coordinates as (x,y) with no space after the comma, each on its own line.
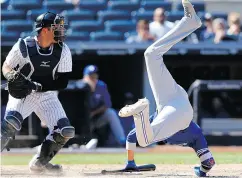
(54,21)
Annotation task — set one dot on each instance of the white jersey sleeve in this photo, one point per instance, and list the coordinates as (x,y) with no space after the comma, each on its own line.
(65,64)
(14,57)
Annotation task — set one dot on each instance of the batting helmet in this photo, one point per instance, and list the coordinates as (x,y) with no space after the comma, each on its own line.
(55,21)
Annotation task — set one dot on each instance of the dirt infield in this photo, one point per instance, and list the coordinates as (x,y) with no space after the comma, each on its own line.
(164,171)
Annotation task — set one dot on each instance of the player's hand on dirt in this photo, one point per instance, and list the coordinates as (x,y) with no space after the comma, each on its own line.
(131,166)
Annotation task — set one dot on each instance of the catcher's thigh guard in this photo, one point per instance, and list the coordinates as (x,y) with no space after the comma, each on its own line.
(11,123)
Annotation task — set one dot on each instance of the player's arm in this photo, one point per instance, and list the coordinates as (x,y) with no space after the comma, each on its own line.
(18,85)
(106,95)
(6,69)
(99,108)
(13,59)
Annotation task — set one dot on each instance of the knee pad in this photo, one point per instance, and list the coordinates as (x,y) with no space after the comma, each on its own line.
(12,122)
(66,131)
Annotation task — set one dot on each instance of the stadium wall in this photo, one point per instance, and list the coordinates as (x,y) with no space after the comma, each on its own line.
(127,73)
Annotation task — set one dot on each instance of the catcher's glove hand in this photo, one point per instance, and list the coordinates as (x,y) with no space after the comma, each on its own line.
(18,85)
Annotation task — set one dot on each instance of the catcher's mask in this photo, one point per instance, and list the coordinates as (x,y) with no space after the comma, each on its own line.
(55,21)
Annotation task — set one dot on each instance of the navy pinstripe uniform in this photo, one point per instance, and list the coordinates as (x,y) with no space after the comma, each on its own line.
(49,68)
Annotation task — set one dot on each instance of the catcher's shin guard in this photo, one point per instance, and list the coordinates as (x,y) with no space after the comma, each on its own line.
(9,125)
(50,148)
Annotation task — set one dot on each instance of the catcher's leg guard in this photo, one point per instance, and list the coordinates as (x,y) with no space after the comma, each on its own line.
(50,147)
(9,125)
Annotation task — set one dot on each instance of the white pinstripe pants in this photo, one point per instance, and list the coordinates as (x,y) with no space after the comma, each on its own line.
(46,106)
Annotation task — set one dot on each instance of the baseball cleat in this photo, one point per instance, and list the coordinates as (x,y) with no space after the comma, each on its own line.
(205,167)
(190,12)
(130,110)
(52,168)
(198,172)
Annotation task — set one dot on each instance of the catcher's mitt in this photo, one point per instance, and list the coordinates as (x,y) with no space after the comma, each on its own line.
(18,86)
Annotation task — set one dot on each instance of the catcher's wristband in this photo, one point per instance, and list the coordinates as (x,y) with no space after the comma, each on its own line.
(37,87)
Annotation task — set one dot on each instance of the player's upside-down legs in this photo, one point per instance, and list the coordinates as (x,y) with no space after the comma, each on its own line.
(173,123)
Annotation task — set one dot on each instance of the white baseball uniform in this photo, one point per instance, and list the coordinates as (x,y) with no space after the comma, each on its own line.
(174,109)
(45,104)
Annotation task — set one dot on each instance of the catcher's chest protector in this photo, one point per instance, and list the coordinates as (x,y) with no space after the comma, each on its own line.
(45,65)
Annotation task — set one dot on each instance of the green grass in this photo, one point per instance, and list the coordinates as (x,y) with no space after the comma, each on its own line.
(141,158)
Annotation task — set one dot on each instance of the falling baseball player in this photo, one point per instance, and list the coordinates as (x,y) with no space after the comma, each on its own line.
(173,123)
(35,68)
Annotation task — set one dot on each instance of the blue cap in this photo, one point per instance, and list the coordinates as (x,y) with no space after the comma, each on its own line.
(90,69)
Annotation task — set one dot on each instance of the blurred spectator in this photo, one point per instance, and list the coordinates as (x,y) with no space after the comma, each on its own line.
(208,33)
(219,26)
(234,25)
(143,33)
(76,3)
(218,109)
(128,98)
(160,26)
(100,104)
(102,89)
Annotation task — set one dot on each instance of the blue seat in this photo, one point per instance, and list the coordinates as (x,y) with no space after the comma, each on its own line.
(25,34)
(57,6)
(106,36)
(17,25)
(220,15)
(128,34)
(128,0)
(175,15)
(123,5)
(120,25)
(9,36)
(152,5)
(4,4)
(142,15)
(13,14)
(78,36)
(214,15)
(26,4)
(33,14)
(86,26)
(198,6)
(79,15)
(93,5)
(113,15)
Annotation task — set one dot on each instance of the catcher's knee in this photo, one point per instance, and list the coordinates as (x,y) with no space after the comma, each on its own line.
(12,122)
(65,131)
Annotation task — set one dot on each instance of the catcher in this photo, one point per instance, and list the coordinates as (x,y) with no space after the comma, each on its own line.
(35,68)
